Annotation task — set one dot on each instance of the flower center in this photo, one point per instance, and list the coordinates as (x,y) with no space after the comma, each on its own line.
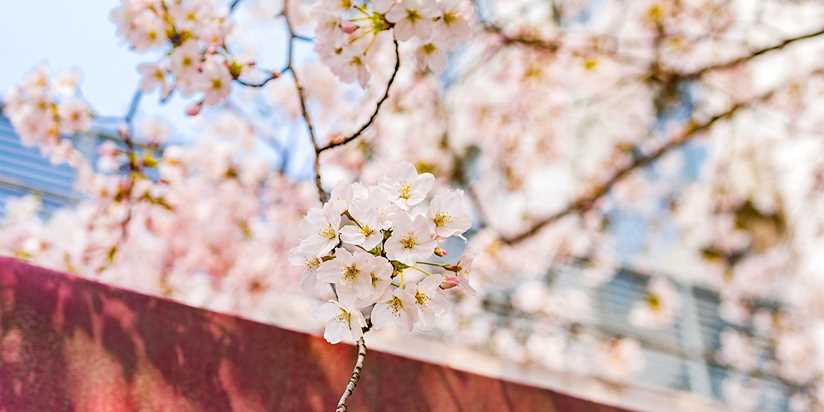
(329,232)
(441,219)
(367,231)
(351,272)
(654,301)
(409,241)
(421,298)
(413,15)
(396,304)
(312,263)
(344,316)
(217,84)
(429,48)
(406,191)
(449,18)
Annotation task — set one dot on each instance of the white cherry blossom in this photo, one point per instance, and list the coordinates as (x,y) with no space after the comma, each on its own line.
(185,65)
(406,188)
(322,226)
(74,116)
(431,55)
(449,213)
(411,239)
(350,273)
(396,307)
(216,79)
(341,322)
(429,300)
(152,77)
(366,230)
(412,18)
(451,24)
(659,308)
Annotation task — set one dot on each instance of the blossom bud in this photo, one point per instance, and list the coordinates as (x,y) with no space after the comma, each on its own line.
(194,109)
(453,268)
(235,68)
(439,251)
(450,283)
(348,27)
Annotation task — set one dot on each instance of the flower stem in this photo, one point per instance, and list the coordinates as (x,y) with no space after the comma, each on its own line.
(440,265)
(353,380)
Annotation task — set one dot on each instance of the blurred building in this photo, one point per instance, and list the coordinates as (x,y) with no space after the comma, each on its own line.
(23,171)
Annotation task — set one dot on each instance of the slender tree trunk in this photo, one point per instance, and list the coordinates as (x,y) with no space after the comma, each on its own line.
(353,380)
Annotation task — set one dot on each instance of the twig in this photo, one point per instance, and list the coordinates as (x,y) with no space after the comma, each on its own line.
(374,114)
(752,55)
(354,378)
(307,118)
(587,201)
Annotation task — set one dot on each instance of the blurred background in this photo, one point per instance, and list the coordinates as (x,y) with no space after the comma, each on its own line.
(663,160)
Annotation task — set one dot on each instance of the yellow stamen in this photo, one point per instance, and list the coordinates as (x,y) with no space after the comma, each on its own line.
(396,304)
(421,299)
(366,230)
(351,272)
(328,232)
(408,242)
(441,219)
(406,191)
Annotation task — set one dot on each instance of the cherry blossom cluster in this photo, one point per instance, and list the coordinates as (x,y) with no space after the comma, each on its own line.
(542,106)
(346,31)
(210,228)
(377,245)
(45,109)
(191,34)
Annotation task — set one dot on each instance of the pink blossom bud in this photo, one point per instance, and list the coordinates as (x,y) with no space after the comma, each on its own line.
(348,27)
(194,109)
(450,282)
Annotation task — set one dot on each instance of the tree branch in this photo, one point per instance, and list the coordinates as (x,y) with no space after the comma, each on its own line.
(374,114)
(354,378)
(752,55)
(587,200)
(532,42)
(304,111)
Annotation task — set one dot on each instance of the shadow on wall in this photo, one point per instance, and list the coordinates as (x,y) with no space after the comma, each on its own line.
(69,344)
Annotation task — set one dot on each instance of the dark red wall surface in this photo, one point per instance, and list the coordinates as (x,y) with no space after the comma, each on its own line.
(69,344)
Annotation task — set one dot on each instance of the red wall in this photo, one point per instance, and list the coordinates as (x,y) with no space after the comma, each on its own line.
(68,344)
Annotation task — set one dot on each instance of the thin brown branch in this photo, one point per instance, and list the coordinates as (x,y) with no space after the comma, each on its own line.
(550,45)
(375,112)
(752,55)
(353,136)
(304,110)
(354,378)
(528,41)
(588,200)
(272,76)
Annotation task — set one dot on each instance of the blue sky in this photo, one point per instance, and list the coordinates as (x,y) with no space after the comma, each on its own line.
(67,34)
(78,34)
